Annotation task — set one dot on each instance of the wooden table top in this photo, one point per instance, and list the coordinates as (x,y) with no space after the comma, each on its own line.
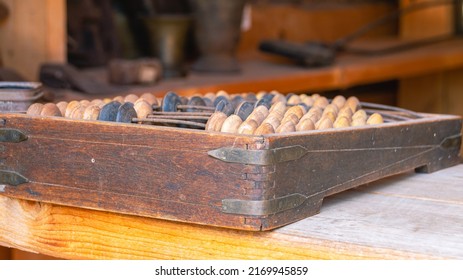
(400,217)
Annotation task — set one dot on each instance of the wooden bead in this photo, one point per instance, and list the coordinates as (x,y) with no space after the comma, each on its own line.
(34,109)
(50,109)
(321,102)
(341,122)
(360,114)
(119,99)
(294,100)
(70,108)
(97,102)
(339,101)
(346,112)
(286,127)
(353,103)
(210,95)
(130,98)
(264,128)
(231,124)
(62,107)
(375,119)
(278,98)
(91,113)
(331,115)
(222,93)
(278,108)
(296,110)
(78,112)
(324,123)
(291,118)
(358,122)
(307,100)
(273,119)
(215,121)
(315,96)
(259,114)
(107,100)
(305,124)
(84,102)
(143,108)
(248,127)
(150,98)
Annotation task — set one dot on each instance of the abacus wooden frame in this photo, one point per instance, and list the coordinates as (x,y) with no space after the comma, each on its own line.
(211,178)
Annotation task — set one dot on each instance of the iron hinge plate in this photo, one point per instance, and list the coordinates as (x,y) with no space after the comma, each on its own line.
(262,207)
(258,157)
(12,178)
(11,135)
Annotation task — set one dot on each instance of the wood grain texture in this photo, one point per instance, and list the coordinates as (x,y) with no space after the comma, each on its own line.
(35,32)
(402,217)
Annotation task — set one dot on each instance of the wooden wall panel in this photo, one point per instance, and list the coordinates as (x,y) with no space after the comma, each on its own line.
(34,32)
(299,24)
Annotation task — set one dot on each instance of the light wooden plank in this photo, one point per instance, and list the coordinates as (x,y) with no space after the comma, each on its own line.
(353,224)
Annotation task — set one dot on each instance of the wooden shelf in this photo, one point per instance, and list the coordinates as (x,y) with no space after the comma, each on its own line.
(348,71)
(402,217)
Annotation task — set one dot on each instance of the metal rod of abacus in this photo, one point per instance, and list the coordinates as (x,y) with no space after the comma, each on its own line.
(158,113)
(180,117)
(168,121)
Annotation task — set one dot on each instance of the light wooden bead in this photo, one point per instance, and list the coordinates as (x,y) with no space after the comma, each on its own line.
(278,98)
(150,98)
(223,93)
(248,127)
(321,102)
(339,101)
(360,114)
(215,121)
(315,96)
(71,107)
(264,128)
(345,111)
(78,112)
(84,102)
(358,122)
(119,99)
(96,102)
(143,108)
(91,113)
(330,115)
(259,114)
(130,98)
(294,100)
(50,109)
(286,127)
(278,108)
(341,122)
(210,95)
(324,123)
(107,100)
(353,103)
(291,118)
(273,119)
(330,109)
(305,124)
(375,119)
(62,107)
(231,124)
(296,110)
(260,94)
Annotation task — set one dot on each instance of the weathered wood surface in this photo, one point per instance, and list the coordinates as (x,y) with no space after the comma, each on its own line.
(405,216)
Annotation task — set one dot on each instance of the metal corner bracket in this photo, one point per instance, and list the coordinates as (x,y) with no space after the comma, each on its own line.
(258,157)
